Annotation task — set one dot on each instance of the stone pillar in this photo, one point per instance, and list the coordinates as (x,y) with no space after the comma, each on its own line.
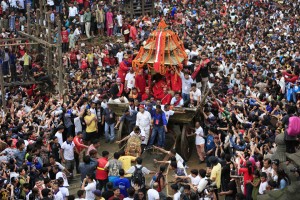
(281,149)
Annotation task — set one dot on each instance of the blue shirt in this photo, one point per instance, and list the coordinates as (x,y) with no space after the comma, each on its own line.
(159,119)
(210,144)
(123,184)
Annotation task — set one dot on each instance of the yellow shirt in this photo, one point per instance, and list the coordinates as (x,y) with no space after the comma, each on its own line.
(126,163)
(216,173)
(92,127)
(90,57)
(26,58)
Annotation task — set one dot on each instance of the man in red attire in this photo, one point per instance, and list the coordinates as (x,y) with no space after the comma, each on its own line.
(175,81)
(167,97)
(158,89)
(120,87)
(123,68)
(146,95)
(140,82)
(101,172)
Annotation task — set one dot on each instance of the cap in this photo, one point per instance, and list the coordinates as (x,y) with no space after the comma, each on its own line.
(141,106)
(97,193)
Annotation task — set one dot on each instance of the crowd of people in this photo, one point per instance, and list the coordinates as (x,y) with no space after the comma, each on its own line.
(242,76)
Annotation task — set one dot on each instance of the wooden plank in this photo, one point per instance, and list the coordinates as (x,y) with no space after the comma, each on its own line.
(15,44)
(12,39)
(21,83)
(43,42)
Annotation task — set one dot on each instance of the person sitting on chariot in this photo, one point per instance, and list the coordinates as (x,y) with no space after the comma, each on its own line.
(167,97)
(177,100)
(159,85)
(146,95)
(195,95)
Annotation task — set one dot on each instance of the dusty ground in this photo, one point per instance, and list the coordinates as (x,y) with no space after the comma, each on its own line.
(148,157)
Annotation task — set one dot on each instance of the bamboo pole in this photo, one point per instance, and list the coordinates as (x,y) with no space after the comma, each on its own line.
(40,41)
(2,87)
(15,44)
(60,64)
(28,17)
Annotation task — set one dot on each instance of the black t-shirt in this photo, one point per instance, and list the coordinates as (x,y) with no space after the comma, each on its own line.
(232,186)
(107,194)
(225,178)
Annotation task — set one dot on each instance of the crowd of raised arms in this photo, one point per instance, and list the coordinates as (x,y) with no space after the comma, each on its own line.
(242,76)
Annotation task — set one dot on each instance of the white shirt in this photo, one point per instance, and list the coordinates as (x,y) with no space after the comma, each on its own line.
(174,100)
(177,196)
(168,114)
(120,55)
(194,180)
(268,171)
(202,184)
(50,2)
(120,20)
(153,194)
(73,11)
(196,94)
(58,196)
(77,32)
(59,137)
(68,150)
(199,136)
(64,191)
(143,119)
(130,78)
(13,3)
(262,187)
(63,176)
(89,189)
(4,5)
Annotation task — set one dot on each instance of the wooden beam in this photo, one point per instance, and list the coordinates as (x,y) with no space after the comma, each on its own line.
(12,39)
(2,88)
(43,42)
(60,64)
(15,44)
(11,84)
(28,18)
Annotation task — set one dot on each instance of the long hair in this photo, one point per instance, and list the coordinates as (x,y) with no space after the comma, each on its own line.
(282,175)
(249,167)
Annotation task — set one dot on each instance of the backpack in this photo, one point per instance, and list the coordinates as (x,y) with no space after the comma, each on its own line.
(138,177)
(294,126)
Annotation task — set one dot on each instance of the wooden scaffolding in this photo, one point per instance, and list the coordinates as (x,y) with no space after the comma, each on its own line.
(41,34)
(138,7)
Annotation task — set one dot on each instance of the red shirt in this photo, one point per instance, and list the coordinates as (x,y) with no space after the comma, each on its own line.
(78,143)
(101,173)
(65,36)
